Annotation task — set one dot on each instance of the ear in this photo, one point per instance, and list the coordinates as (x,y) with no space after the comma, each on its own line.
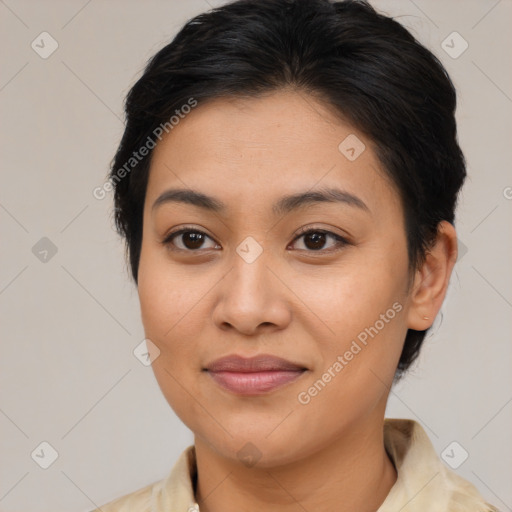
(432,279)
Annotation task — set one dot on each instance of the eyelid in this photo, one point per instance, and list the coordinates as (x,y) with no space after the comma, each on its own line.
(317,229)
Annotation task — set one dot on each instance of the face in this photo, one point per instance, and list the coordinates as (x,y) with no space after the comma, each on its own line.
(320,284)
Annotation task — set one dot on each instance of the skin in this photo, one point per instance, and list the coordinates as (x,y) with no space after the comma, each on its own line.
(301,304)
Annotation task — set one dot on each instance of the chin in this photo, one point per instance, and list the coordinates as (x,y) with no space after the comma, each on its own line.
(252,446)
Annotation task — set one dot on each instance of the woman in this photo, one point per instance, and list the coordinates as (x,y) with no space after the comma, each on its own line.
(286,185)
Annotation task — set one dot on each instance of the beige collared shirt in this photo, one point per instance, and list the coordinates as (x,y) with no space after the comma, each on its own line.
(424,482)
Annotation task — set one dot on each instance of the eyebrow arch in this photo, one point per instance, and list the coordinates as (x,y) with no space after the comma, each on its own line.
(284,205)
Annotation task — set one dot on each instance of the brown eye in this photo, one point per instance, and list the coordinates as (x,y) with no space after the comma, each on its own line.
(188,240)
(315,240)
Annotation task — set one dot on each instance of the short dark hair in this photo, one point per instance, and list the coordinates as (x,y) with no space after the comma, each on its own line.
(364,65)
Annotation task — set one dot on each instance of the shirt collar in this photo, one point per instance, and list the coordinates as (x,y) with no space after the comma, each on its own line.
(424,482)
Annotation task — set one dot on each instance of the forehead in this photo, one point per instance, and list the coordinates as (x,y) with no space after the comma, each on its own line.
(254,151)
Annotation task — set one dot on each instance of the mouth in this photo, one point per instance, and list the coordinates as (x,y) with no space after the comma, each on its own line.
(255,375)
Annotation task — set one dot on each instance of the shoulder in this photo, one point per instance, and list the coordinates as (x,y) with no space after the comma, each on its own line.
(139,501)
(174,492)
(423,479)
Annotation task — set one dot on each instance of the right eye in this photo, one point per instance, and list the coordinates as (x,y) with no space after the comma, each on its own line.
(189,240)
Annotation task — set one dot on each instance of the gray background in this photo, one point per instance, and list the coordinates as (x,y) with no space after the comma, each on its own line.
(70,320)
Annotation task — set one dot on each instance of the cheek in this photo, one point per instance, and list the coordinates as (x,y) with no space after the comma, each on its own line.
(347,299)
(360,351)
(361,309)
(168,308)
(166,296)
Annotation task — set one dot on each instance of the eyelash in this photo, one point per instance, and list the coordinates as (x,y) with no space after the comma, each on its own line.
(340,241)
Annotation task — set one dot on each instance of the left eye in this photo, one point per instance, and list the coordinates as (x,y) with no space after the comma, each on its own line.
(315,239)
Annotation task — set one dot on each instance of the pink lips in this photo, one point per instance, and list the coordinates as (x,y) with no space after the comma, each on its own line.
(254,375)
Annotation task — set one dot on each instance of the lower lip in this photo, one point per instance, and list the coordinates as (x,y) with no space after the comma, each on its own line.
(254,383)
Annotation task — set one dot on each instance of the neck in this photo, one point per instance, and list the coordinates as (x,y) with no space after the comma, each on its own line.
(352,473)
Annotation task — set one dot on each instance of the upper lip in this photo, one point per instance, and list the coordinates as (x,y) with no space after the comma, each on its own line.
(260,363)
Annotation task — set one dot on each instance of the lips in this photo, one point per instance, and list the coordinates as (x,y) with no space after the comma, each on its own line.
(255,375)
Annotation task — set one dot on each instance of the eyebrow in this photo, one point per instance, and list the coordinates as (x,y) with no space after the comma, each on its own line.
(285,204)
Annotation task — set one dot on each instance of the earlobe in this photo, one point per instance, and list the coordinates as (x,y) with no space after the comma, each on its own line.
(432,279)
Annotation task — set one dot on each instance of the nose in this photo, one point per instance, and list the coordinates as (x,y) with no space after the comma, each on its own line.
(252,298)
